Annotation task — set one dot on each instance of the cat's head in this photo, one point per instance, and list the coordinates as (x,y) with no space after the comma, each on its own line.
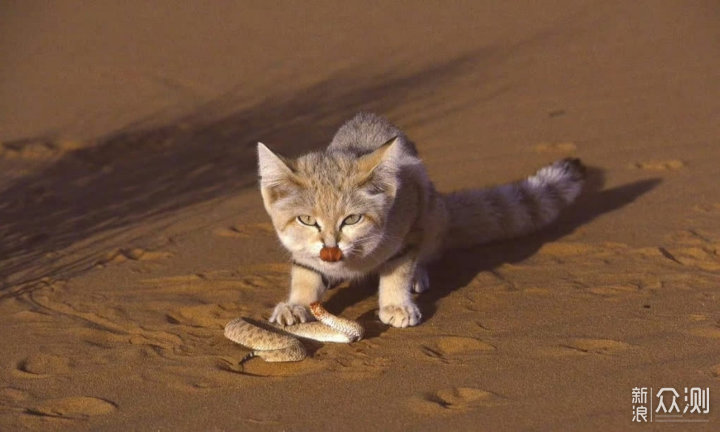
(328,200)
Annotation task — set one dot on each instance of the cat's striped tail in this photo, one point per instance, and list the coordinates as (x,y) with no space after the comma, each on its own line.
(511,210)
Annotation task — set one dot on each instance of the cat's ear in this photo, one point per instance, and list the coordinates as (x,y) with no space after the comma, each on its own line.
(379,170)
(273,168)
(278,177)
(369,162)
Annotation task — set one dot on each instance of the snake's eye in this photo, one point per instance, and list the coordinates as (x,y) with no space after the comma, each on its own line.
(352,219)
(307,220)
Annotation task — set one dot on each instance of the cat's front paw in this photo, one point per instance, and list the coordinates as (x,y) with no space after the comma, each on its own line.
(400,315)
(290,313)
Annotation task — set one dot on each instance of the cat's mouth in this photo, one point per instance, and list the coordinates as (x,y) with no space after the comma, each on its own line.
(331,254)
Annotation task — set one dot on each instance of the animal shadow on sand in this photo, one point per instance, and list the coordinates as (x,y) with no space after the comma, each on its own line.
(456,268)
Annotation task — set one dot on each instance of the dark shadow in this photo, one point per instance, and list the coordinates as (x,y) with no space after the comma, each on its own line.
(153,169)
(350,293)
(455,269)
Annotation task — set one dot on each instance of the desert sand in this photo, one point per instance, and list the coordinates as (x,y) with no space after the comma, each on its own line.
(133,229)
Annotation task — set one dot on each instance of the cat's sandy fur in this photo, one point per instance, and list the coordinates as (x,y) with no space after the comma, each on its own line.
(372,169)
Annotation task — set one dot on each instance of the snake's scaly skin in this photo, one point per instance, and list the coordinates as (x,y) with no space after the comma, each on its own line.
(277,343)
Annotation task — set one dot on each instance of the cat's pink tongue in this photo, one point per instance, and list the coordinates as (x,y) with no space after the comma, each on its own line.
(331,254)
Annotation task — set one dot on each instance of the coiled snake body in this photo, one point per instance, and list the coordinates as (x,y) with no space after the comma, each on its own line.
(277,343)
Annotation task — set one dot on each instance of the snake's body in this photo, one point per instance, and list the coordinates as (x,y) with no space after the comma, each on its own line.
(277,343)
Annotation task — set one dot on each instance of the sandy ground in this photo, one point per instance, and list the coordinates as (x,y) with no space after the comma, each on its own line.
(132,228)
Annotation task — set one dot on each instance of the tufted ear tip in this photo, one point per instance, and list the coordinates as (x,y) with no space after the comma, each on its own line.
(263,151)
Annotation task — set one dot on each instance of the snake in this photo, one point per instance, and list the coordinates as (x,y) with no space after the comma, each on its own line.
(275,342)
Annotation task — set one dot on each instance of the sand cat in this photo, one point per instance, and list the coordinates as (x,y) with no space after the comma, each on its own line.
(365,205)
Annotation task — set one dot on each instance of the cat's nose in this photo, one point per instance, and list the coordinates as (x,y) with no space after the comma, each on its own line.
(331,254)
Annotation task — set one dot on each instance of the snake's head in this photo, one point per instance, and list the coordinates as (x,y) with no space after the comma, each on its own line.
(317,310)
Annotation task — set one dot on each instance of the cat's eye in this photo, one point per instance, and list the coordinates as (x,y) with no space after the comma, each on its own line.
(307,220)
(352,219)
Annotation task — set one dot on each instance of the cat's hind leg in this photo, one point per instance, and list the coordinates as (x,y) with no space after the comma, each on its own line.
(421,283)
